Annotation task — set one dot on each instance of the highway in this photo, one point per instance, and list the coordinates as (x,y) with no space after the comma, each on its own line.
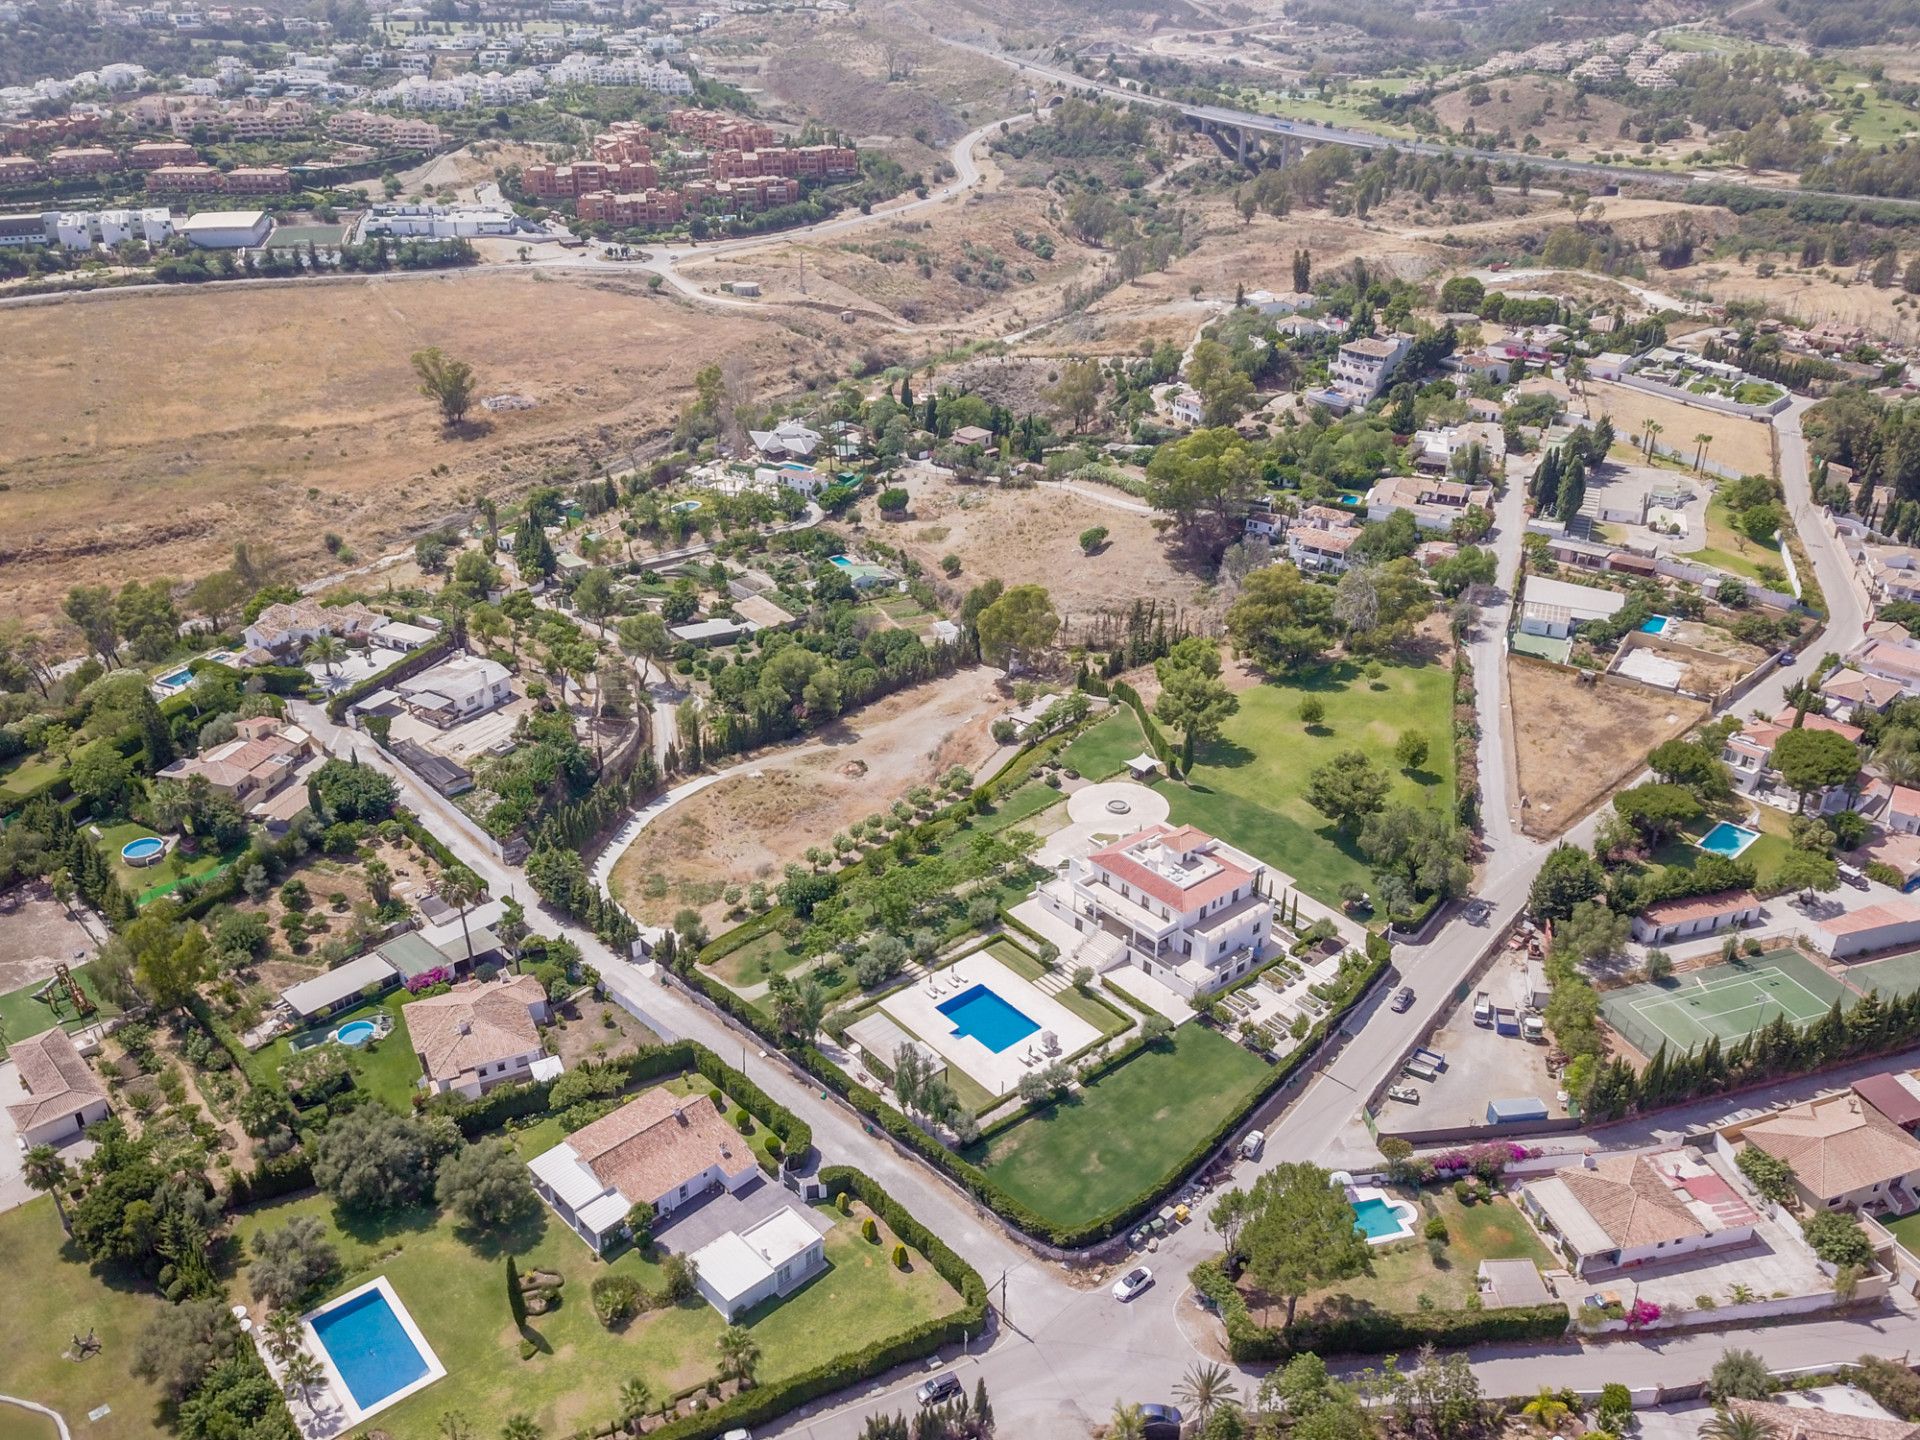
(1318,134)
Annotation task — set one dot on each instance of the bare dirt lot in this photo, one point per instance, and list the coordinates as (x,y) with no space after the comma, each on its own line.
(155,430)
(1546,109)
(1022,537)
(36,933)
(750,826)
(1736,441)
(595,1030)
(1574,742)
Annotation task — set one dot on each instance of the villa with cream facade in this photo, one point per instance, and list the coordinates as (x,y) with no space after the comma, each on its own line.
(1183,906)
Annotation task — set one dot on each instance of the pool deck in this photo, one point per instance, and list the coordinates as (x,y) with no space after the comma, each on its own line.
(917,1008)
(334,1411)
(1406,1214)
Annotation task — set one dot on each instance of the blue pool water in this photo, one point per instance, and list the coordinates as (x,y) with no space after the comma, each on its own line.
(178,678)
(354,1032)
(988,1018)
(369,1347)
(1728,839)
(1656,624)
(843,562)
(1376,1219)
(145,848)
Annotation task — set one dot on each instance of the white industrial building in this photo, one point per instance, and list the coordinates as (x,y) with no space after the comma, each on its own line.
(227,229)
(439,222)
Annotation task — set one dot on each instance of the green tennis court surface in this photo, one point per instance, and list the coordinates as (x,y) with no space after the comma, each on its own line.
(1724,1001)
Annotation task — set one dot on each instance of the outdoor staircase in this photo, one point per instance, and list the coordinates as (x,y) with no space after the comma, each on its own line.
(1054,981)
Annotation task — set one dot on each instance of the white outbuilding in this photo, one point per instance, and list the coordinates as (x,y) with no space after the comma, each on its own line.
(227,229)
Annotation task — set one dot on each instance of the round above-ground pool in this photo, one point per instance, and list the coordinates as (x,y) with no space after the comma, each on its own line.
(147,850)
(355,1032)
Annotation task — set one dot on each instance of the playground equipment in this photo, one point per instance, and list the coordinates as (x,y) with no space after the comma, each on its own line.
(63,983)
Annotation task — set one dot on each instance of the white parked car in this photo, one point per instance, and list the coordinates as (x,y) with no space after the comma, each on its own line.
(1251,1147)
(1132,1283)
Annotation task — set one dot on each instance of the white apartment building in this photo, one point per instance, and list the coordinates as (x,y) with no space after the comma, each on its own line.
(463,687)
(1362,368)
(1184,907)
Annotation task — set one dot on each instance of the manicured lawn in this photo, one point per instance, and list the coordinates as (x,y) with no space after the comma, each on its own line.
(1403,1271)
(1906,1230)
(22,1016)
(52,1296)
(1118,1139)
(149,882)
(26,773)
(1249,786)
(1765,854)
(1106,747)
(454,1285)
(386,1069)
(1025,802)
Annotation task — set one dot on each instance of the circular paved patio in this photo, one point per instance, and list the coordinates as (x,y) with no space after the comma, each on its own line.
(1092,805)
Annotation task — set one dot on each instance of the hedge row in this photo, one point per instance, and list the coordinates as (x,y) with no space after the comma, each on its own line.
(978,1182)
(408,664)
(270,1179)
(1163,752)
(766,1403)
(516,1102)
(1372,1332)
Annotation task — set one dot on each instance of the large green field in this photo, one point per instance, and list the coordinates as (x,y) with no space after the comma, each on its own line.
(1119,1138)
(1106,747)
(454,1285)
(1249,786)
(53,1295)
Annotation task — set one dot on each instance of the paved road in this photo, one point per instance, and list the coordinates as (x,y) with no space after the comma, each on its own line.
(1063,1350)
(1318,134)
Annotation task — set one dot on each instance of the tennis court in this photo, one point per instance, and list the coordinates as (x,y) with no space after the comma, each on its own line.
(1725,1001)
(1895,975)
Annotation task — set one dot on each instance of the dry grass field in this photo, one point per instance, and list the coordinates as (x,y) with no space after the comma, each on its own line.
(751,826)
(1022,537)
(154,431)
(1574,742)
(1747,444)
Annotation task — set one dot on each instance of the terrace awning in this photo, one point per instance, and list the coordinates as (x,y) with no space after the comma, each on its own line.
(323,992)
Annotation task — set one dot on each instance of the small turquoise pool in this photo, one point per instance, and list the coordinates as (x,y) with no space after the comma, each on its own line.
(988,1018)
(1657,624)
(843,562)
(1727,839)
(1380,1220)
(177,679)
(355,1032)
(370,1347)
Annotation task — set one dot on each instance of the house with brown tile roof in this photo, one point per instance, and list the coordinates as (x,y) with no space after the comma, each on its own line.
(1844,1153)
(1807,1422)
(63,1095)
(1614,1212)
(1693,916)
(659,1149)
(478,1035)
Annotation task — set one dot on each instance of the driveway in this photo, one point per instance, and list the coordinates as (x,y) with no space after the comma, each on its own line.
(693,1226)
(13,1187)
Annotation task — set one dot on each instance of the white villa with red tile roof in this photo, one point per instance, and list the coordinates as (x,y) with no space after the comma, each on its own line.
(1748,755)
(1187,909)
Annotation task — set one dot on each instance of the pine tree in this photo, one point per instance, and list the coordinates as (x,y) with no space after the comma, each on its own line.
(906,394)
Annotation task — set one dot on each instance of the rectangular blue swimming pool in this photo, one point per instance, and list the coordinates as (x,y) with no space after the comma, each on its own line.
(369,1347)
(1727,839)
(988,1018)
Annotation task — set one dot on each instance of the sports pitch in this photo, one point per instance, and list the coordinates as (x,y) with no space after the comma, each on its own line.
(1724,1001)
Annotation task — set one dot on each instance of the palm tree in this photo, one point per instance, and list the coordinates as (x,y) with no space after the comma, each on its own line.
(1737,1425)
(739,1355)
(1741,1294)
(520,1427)
(324,650)
(463,889)
(1547,1409)
(635,1397)
(1204,1389)
(45,1172)
(1700,444)
(1126,1423)
(302,1375)
(282,1335)
(1654,429)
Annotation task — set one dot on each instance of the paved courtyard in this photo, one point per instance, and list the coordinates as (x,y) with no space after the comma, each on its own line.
(692,1226)
(917,1009)
(1092,821)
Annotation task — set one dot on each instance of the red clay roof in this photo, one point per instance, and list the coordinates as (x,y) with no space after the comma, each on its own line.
(1886,1094)
(1118,862)
(1698,907)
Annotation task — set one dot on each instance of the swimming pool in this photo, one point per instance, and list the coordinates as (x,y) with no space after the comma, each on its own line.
(1727,839)
(987,1017)
(355,1032)
(144,851)
(1657,624)
(179,679)
(1377,1217)
(370,1341)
